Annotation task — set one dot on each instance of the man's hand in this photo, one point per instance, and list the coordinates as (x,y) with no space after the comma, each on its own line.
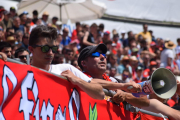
(70,76)
(4,57)
(178,88)
(120,96)
(132,87)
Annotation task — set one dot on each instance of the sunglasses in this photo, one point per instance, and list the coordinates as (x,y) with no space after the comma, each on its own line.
(97,54)
(23,56)
(46,48)
(126,75)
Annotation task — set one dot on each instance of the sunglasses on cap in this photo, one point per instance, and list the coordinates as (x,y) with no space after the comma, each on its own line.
(23,56)
(97,54)
(46,48)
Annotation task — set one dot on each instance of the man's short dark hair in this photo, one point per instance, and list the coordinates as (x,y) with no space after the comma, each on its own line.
(78,23)
(42,31)
(101,26)
(21,49)
(178,39)
(35,12)
(3,45)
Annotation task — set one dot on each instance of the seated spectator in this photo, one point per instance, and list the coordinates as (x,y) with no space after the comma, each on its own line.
(6,48)
(22,54)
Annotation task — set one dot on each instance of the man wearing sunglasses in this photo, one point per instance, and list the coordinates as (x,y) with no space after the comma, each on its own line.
(42,44)
(92,60)
(22,54)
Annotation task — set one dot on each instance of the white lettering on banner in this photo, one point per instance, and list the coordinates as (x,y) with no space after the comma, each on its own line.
(7,73)
(59,114)
(26,105)
(36,111)
(75,97)
(47,111)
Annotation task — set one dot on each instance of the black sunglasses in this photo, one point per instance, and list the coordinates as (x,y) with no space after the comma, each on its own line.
(46,48)
(23,56)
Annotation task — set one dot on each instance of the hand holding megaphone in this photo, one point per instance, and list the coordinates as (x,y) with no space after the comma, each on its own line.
(162,82)
(132,87)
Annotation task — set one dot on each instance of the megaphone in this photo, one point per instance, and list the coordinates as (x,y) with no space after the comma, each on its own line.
(162,82)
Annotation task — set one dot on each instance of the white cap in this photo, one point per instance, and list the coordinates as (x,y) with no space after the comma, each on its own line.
(58,23)
(123,31)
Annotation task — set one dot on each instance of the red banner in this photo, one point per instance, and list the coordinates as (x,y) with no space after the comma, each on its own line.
(29,93)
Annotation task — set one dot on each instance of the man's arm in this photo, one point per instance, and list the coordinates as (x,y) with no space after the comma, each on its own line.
(169,61)
(92,89)
(3,55)
(152,105)
(158,107)
(123,86)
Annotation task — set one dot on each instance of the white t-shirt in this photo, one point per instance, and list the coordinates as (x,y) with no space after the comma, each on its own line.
(177,49)
(167,53)
(59,68)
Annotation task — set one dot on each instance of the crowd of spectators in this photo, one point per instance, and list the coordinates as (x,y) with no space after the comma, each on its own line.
(129,59)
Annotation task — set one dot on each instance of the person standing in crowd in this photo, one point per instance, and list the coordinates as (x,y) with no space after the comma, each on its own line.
(146,34)
(42,45)
(167,55)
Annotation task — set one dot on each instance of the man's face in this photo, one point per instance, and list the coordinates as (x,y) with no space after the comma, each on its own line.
(96,63)
(7,51)
(125,75)
(17,22)
(145,27)
(40,57)
(23,56)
